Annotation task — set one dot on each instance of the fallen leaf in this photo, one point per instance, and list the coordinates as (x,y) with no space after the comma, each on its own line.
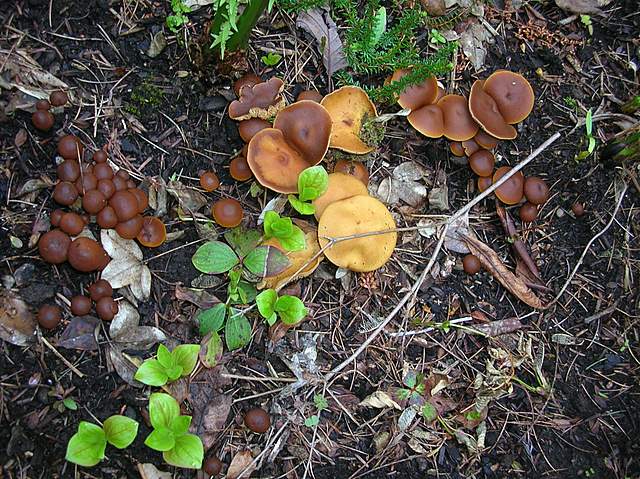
(563,339)
(20,138)
(149,471)
(318,22)
(17,323)
(453,240)
(124,329)
(123,366)
(199,297)
(492,263)
(33,185)
(380,400)
(434,8)
(158,43)
(275,204)
(582,6)
(406,418)
(472,42)
(241,465)
(211,349)
(126,267)
(497,328)
(81,333)
(405,184)
(210,418)
(190,199)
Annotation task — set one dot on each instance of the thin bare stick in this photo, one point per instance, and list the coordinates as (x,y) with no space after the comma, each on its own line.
(62,358)
(416,286)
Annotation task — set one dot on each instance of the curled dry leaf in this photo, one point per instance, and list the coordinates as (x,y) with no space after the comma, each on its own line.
(498,328)
(17,323)
(380,400)
(492,263)
(126,267)
(124,329)
(405,184)
(209,419)
(198,297)
(124,366)
(149,471)
(189,198)
(318,22)
(241,465)
(81,333)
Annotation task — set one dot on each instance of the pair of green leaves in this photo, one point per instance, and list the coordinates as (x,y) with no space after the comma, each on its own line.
(237,329)
(175,21)
(290,236)
(271,59)
(170,433)
(86,447)
(312,183)
(168,366)
(289,309)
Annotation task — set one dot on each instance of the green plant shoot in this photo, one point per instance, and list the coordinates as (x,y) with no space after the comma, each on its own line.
(290,236)
(271,59)
(289,309)
(86,447)
(168,366)
(312,183)
(178,19)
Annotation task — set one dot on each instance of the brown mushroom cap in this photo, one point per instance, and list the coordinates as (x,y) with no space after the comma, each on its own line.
(470,147)
(471,264)
(258,420)
(68,170)
(72,223)
(458,123)
(227,212)
(107,218)
(43,105)
(49,316)
(262,100)
(512,190)
(107,188)
(249,79)
(528,212)
(416,96)
(536,190)
(100,156)
(428,120)
(125,204)
(353,168)
(86,254)
(209,181)
(311,95)
(484,182)
(86,182)
(512,93)
(93,201)
(239,169)
(456,148)
(153,232)
(485,140)
(43,120)
(341,186)
(65,193)
(56,216)
(484,110)
(299,139)
(130,228)
(248,128)
(357,215)
(70,147)
(103,171)
(80,305)
(349,107)
(141,197)
(482,162)
(100,289)
(106,308)
(58,98)
(54,246)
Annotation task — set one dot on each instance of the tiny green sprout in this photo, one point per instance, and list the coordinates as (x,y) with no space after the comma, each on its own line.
(320,402)
(271,59)
(178,19)
(170,433)
(290,309)
(312,421)
(571,102)
(86,447)
(437,37)
(70,404)
(290,236)
(312,183)
(586,21)
(591,141)
(168,366)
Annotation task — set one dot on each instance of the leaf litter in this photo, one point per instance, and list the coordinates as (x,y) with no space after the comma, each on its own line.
(126,267)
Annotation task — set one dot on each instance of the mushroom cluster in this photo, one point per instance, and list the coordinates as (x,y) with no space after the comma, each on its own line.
(101,295)
(42,118)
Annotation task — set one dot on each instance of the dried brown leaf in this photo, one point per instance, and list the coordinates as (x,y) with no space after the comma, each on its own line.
(17,323)
(497,328)
(492,263)
(318,22)
(241,465)
(81,333)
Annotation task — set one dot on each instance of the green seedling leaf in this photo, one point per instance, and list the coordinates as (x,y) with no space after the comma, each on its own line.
(266,302)
(276,226)
(234,279)
(295,241)
(266,261)
(272,59)
(242,240)
(237,332)
(174,372)
(320,401)
(70,404)
(161,439)
(180,425)
(410,380)
(188,452)
(247,292)
(312,183)
(214,257)
(429,412)
(152,373)
(588,122)
(300,206)
(214,350)
(164,357)
(120,431)
(379,25)
(186,356)
(290,309)
(162,410)
(312,421)
(212,319)
(86,447)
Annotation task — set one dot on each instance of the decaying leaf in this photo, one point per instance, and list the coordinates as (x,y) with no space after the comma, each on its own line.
(17,323)
(492,263)
(406,184)
(149,471)
(380,400)
(158,44)
(406,418)
(318,22)
(498,328)
(199,297)
(472,42)
(241,465)
(209,419)
(582,6)
(189,199)
(125,368)
(81,333)
(124,329)
(453,240)
(126,267)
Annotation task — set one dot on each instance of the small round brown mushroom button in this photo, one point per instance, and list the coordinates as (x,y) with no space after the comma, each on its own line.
(153,232)
(239,169)
(131,228)
(578,209)
(482,162)
(68,170)
(58,98)
(43,120)
(470,147)
(248,128)
(107,218)
(72,223)
(65,193)
(93,201)
(456,148)
(528,212)
(536,190)
(227,212)
(125,204)
(485,140)
(257,420)
(312,95)
(54,246)
(56,216)
(103,171)
(49,316)
(100,289)
(106,308)
(100,156)
(86,255)
(484,182)
(212,466)
(43,105)
(471,264)
(353,168)
(70,147)
(119,183)
(107,188)
(209,181)
(80,305)
(512,190)
(86,182)
(141,198)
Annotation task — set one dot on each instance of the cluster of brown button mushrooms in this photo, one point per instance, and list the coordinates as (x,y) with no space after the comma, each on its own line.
(92,191)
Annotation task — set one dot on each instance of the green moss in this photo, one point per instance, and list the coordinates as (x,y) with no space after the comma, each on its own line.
(144,98)
(372,132)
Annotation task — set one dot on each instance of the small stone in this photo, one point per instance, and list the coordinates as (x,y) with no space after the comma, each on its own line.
(439,198)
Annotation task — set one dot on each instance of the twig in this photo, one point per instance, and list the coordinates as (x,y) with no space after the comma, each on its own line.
(403,334)
(62,358)
(586,248)
(518,244)
(414,289)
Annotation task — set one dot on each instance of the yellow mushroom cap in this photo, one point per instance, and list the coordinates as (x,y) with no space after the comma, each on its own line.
(352,216)
(512,93)
(341,186)
(349,106)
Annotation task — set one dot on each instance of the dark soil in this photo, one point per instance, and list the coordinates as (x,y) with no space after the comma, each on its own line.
(163,123)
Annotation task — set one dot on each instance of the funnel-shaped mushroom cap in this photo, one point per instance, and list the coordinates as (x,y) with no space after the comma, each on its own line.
(485,140)
(262,100)
(416,96)
(484,110)
(248,128)
(428,120)
(512,190)
(307,127)
(349,106)
(458,123)
(340,187)
(354,216)
(456,148)
(513,94)
(470,147)
(249,79)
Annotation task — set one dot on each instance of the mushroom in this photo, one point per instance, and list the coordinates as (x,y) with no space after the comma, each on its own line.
(87,182)
(43,120)
(153,232)
(107,188)
(299,139)
(485,112)
(49,316)
(340,187)
(471,264)
(456,148)
(100,289)
(107,218)
(312,95)
(349,108)
(428,120)
(536,190)
(80,305)
(93,201)
(354,216)
(485,140)
(70,147)
(353,168)
(578,209)
(125,204)
(54,246)
(239,169)
(250,79)
(482,162)
(458,123)
(470,147)
(249,128)
(257,420)
(71,223)
(86,255)
(209,181)
(56,216)
(65,193)
(212,466)
(103,171)
(141,197)
(484,182)
(100,156)
(512,93)
(58,98)
(106,308)
(528,212)
(43,105)
(261,100)
(119,183)
(512,190)
(414,97)
(130,228)
(227,212)
(68,170)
